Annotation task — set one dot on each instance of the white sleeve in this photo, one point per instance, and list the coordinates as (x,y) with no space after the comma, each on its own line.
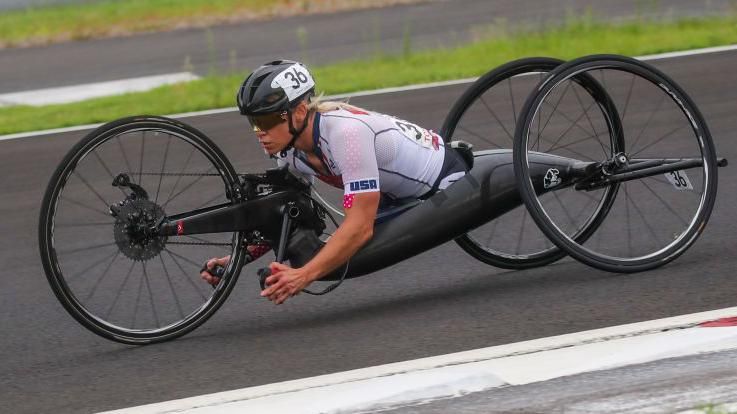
(356,157)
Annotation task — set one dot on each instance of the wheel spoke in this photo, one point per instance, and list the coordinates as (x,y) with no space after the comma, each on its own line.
(171,287)
(84,249)
(125,157)
(567,148)
(100,279)
(192,262)
(478,136)
(77,224)
(627,219)
(593,128)
(120,290)
(555,107)
(163,165)
(519,236)
(176,183)
(583,209)
(574,123)
(659,139)
(181,269)
(85,206)
(647,123)
(190,185)
(627,100)
(138,301)
(498,120)
(92,266)
(565,211)
(568,145)
(140,163)
(511,97)
(493,231)
(646,223)
(151,296)
(105,167)
(208,202)
(665,204)
(86,183)
(603,79)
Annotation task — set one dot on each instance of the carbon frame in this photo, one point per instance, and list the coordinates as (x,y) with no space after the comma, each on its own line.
(486,192)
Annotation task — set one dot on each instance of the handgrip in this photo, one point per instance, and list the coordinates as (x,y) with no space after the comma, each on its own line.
(263,273)
(217,271)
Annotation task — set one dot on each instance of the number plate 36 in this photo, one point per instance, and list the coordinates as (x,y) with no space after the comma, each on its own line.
(679,180)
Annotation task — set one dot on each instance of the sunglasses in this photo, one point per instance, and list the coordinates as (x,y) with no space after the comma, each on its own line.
(267,121)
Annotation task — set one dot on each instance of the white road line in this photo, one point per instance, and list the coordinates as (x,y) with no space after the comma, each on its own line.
(469,371)
(77,93)
(660,56)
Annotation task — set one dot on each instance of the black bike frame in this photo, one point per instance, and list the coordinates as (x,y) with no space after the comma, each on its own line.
(486,192)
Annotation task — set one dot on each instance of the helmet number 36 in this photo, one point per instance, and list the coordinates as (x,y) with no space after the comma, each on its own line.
(297,77)
(294,80)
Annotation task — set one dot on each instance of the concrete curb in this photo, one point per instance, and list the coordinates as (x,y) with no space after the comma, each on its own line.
(445,376)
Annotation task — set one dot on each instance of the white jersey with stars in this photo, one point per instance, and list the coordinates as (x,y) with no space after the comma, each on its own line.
(369,151)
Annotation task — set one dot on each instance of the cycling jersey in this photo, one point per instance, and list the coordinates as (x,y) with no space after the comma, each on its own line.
(367,151)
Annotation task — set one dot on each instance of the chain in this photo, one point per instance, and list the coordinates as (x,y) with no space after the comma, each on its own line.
(200,243)
(177,174)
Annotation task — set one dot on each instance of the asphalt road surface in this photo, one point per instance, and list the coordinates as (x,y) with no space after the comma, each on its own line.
(313,39)
(439,302)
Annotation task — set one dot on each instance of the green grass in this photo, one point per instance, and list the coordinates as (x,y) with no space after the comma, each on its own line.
(574,39)
(47,24)
(714,409)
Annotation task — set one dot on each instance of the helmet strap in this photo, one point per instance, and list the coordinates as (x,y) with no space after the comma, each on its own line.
(295,132)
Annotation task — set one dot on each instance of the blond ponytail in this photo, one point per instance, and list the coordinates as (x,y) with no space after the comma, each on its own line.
(318,104)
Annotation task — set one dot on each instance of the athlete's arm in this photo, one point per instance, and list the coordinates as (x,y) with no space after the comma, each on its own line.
(356,158)
(355,231)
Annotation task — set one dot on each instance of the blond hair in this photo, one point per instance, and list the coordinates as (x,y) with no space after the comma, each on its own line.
(317,103)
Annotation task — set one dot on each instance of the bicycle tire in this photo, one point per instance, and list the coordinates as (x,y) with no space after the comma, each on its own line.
(680,102)
(469,242)
(60,282)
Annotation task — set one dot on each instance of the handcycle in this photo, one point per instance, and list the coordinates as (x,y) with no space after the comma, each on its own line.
(610,158)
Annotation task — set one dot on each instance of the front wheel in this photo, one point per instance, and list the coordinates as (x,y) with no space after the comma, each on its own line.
(665,166)
(107,270)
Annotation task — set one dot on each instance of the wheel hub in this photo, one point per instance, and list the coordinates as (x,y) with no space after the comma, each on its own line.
(135,229)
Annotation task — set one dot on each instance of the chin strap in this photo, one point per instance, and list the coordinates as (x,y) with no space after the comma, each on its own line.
(295,132)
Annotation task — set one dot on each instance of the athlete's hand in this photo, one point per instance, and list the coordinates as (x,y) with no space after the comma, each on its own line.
(207,276)
(284,283)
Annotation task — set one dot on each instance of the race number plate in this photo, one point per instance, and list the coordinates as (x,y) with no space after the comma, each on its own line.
(295,80)
(416,134)
(679,180)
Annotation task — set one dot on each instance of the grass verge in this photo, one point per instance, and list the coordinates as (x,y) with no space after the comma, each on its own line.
(52,24)
(571,40)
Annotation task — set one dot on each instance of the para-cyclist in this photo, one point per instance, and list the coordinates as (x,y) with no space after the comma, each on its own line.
(380,161)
